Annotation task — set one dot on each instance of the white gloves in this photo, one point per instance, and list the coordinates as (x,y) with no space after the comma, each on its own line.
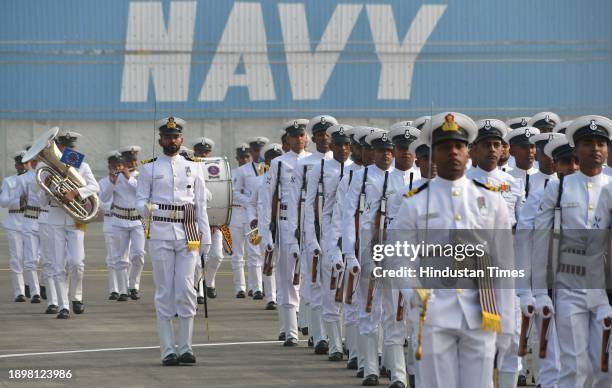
(527,300)
(541,301)
(353,265)
(604,311)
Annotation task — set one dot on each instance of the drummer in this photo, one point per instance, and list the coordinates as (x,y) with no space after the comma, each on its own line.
(202,148)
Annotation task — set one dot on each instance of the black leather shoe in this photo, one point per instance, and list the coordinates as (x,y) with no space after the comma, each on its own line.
(35,299)
(123,298)
(63,314)
(113,296)
(258,295)
(20,298)
(359,373)
(291,342)
(522,381)
(200,300)
(51,309)
(78,307)
(43,292)
(187,358)
(310,342)
(240,295)
(134,294)
(322,347)
(304,330)
(336,356)
(271,305)
(352,364)
(397,384)
(370,381)
(170,360)
(281,337)
(211,292)
(27,292)
(250,293)
(411,381)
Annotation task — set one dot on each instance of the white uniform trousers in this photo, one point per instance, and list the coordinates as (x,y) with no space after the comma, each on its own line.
(457,358)
(394,334)
(109,243)
(68,257)
(128,256)
(508,362)
(369,324)
(46,255)
(241,247)
(31,254)
(330,310)
(15,244)
(269,282)
(305,291)
(315,326)
(215,257)
(287,293)
(579,336)
(173,275)
(546,370)
(238,242)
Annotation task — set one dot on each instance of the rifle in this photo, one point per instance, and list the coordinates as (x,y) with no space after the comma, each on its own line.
(276,200)
(339,297)
(524,336)
(605,346)
(298,231)
(358,212)
(555,250)
(319,203)
(381,221)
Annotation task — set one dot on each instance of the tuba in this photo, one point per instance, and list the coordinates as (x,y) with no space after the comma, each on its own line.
(57,178)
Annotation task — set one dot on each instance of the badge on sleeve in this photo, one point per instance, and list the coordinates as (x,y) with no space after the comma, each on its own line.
(188,171)
(482,205)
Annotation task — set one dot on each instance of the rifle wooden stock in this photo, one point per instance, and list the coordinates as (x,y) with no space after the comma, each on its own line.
(340,289)
(349,288)
(333,280)
(544,333)
(370,298)
(268,265)
(296,270)
(315,268)
(525,320)
(399,316)
(605,345)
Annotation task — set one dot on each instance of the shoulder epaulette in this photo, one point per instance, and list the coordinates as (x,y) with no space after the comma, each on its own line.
(487,186)
(193,158)
(148,161)
(414,192)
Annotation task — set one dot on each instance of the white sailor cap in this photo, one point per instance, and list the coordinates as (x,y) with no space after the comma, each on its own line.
(67,137)
(361,132)
(406,123)
(419,147)
(379,139)
(258,142)
(517,122)
(340,133)
(450,126)
(589,126)
(404,135)
(273,147)
(558,147)
(321,123)
(203,143)
(114,156)
(562,127)
(420,122)
(18,155)
(242,149)
(541,139)
(489,128)
(130,152)
(170,125)
(295,127)
(544,121)
(521,135)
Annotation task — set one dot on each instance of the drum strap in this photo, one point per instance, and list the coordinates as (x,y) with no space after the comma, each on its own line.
(191,227)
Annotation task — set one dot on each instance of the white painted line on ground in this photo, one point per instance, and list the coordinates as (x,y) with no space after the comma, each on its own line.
(136,348)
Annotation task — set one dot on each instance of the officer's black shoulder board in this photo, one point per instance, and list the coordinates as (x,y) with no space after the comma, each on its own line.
(148,161)
(414,192)
(192,158)
(487,186)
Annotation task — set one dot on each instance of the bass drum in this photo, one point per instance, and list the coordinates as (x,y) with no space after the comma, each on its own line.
(217,174)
